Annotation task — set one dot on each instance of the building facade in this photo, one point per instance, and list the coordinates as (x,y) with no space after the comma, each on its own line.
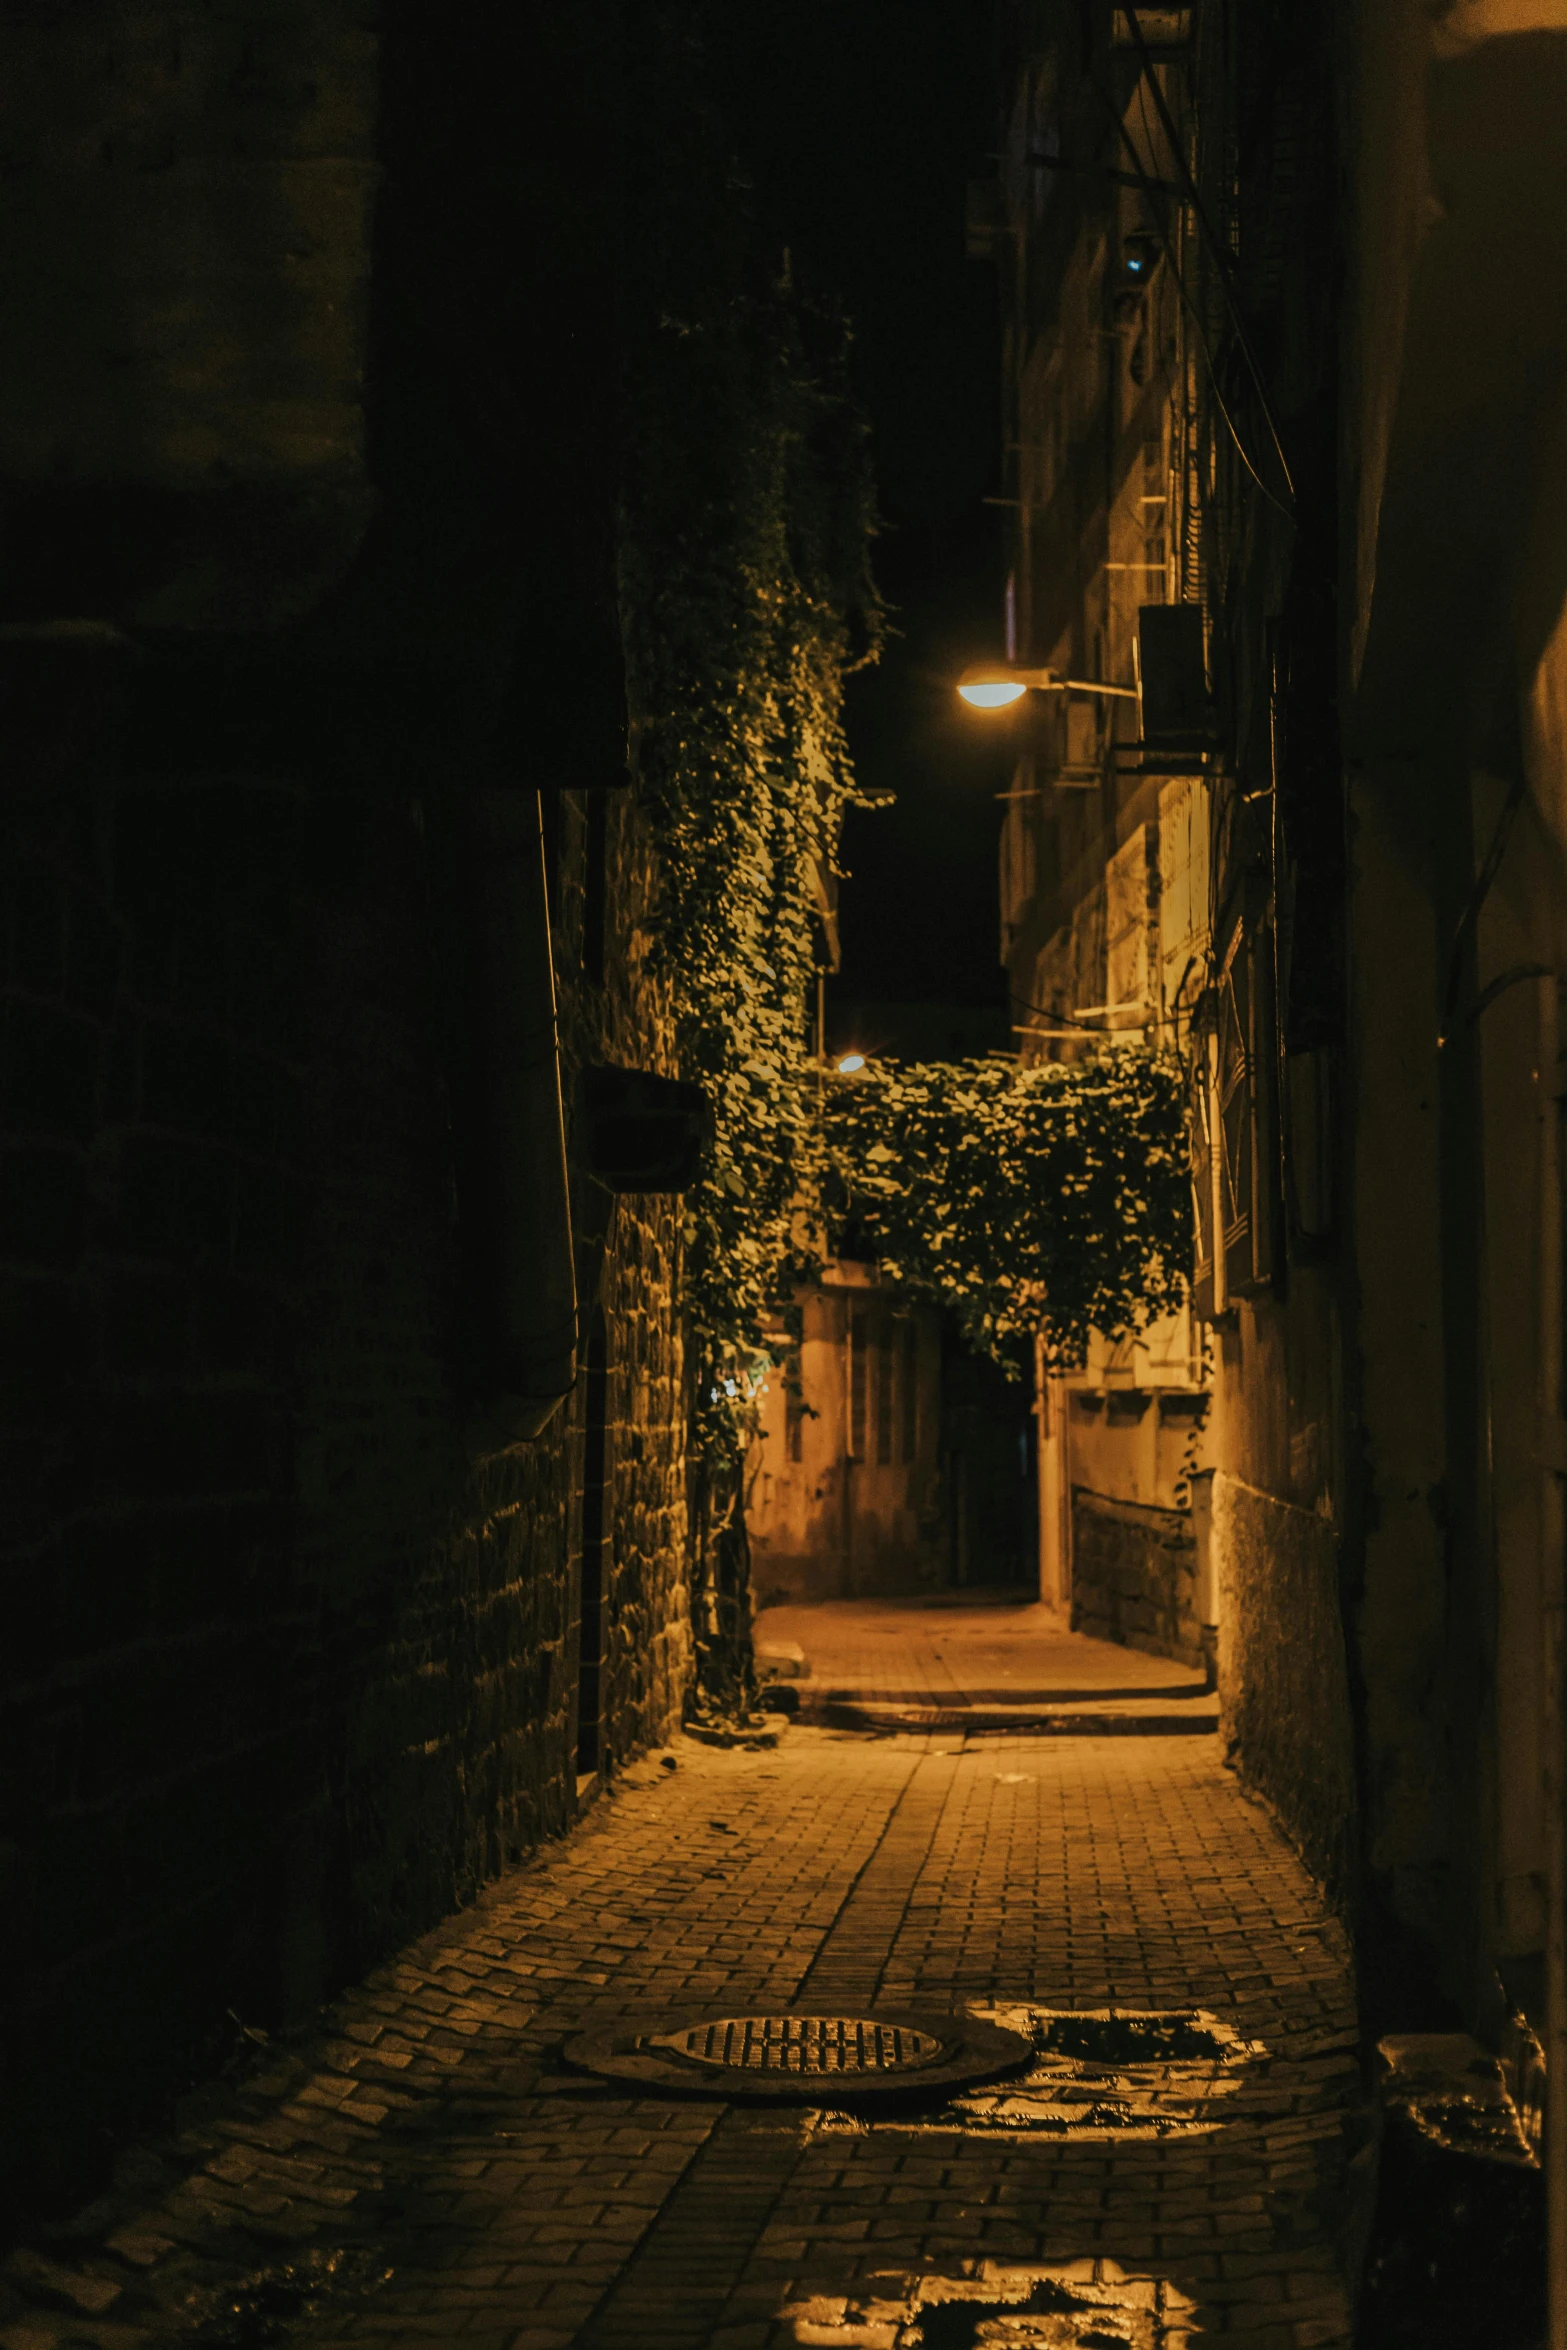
(1283,409)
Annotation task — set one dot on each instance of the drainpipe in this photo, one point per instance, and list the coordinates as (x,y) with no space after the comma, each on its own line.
(1045,1477)
(513,1197)
(1221,1263)
(1554,1589)
(1052,1399)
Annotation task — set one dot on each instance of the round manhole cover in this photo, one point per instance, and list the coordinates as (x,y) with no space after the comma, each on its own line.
(804,2058)
(802,2044)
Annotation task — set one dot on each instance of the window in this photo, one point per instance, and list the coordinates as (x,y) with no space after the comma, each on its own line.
(1233,1155)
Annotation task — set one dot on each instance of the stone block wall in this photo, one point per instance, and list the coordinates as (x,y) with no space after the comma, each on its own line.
(286,1668)
(1134,1577)
(288,1649)
(181,422)
(626,1020)
(1283,1681)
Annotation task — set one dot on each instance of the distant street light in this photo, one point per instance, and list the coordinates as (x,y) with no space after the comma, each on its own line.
(849,1063)
(996,685)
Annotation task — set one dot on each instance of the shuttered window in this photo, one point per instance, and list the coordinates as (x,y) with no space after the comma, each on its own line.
(1232,1127)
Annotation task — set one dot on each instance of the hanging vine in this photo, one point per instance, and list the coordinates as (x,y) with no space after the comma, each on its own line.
(746,598)
(1049,1197)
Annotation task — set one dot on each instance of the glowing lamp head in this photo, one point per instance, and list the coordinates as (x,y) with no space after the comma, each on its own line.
(850,1062)
(990,685)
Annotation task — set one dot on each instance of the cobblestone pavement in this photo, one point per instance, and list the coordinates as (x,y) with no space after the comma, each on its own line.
(425,2169)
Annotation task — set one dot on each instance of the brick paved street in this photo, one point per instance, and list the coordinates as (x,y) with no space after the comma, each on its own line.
(968,1660)
(954,1648)
(427,2168)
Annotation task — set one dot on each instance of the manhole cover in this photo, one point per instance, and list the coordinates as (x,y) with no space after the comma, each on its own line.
(806,2059)
(802,2044)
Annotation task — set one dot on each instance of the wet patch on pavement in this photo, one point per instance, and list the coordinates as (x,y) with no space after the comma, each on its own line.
(1081,2305)
(1112,2073)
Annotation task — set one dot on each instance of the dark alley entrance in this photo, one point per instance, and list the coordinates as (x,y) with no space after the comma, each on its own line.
(783,1189)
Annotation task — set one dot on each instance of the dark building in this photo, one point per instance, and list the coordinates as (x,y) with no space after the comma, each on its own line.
(1284,307)
(344,1490)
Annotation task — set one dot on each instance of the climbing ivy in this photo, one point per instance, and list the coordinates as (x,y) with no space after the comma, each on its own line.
(746,597)
(1052,1196)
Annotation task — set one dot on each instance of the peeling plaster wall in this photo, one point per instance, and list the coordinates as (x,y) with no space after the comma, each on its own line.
(836,1524)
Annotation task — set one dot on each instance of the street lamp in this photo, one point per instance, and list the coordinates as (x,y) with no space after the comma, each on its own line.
(996,685)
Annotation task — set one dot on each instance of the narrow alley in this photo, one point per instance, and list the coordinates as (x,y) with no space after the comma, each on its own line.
(783,1175)
(431,2167)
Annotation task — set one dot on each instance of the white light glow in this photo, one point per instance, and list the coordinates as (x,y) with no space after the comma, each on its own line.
(998,696)
(849,1063)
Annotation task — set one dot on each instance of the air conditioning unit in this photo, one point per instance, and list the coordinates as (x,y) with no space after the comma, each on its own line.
(1173,702)
(644,1133)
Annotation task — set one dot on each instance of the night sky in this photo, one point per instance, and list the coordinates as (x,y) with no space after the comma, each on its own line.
(859,125)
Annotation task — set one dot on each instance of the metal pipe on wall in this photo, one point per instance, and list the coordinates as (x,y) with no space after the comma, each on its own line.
(1553,1580)
(513,1193)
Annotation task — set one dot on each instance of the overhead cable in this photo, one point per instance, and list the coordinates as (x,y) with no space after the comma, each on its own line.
(1221,259)
(1184,290)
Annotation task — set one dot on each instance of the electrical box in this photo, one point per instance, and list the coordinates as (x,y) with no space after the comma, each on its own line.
(644,1133)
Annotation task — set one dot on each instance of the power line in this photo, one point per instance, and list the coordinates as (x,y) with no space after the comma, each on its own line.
(1205,230)
(1183,289)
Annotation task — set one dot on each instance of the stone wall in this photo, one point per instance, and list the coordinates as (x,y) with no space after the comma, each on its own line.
(648,1636)
(1283,1683)
(288,1644)
(1134,1574)
(289,1668)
